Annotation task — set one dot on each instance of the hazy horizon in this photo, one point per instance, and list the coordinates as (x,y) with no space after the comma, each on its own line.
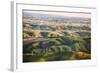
(62,14)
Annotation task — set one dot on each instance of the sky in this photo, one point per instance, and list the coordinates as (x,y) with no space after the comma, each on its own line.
(65,14)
